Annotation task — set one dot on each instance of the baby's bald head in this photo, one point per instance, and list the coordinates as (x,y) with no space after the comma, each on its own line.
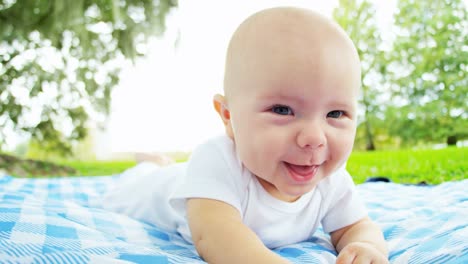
(285,36)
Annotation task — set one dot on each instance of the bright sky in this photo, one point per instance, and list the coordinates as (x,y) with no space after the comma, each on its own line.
(163,102)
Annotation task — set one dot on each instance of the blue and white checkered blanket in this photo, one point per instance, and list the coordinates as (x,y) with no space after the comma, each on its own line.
(61,220)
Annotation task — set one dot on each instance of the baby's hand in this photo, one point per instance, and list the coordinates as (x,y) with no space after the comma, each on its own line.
(361,252)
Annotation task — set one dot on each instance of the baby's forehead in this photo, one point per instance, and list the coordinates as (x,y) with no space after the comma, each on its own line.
(284,41)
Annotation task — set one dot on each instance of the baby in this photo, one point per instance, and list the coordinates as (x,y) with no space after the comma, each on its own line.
(292,80)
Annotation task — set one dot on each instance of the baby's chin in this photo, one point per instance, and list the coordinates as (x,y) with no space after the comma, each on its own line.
(294,196)
(293,193)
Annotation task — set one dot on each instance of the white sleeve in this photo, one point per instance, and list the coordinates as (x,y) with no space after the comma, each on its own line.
(212,173)
(343,204)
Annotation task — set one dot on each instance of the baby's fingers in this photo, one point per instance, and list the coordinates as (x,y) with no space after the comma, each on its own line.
(350,258)
(360,253)
(346,257)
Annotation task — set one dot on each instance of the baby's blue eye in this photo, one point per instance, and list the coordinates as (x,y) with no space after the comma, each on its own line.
(335,114)
(282,110)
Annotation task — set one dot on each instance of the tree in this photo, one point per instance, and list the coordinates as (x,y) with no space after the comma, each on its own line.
(428,67)
(60,60)
(359,21)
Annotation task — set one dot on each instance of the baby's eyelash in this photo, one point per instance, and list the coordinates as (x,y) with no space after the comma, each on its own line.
(336,114)
(282,110)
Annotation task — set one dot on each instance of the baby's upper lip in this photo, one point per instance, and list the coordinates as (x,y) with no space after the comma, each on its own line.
(306,164)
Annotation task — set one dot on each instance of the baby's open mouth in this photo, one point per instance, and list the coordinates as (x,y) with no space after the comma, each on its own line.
(301,172)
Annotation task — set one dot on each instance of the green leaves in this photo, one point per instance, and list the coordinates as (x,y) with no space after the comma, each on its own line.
(431,46)
(64,54)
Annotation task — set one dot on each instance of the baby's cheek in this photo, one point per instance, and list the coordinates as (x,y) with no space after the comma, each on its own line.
(342,146)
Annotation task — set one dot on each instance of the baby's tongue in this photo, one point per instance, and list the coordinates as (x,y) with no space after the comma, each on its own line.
(301,170)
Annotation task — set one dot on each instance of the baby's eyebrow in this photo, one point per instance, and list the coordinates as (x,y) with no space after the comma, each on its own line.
(349,106)
(342,104)
(286,98)
(282,98)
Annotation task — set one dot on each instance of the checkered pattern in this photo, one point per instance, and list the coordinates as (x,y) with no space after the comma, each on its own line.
(61,221)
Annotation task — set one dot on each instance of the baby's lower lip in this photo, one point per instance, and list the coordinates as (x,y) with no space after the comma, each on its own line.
(301,173)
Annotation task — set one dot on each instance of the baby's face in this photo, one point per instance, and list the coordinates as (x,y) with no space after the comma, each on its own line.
(293,116)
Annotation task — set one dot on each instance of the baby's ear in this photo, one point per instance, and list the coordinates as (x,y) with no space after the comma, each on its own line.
(219,103)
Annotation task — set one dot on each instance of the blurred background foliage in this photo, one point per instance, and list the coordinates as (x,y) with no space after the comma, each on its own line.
(60,60)
(415,80)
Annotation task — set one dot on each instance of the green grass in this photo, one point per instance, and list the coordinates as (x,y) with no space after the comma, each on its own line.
(411,166)
(401,166)
(98,168)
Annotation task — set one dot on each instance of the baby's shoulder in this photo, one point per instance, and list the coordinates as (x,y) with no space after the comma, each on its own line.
(218,143)
(217,150)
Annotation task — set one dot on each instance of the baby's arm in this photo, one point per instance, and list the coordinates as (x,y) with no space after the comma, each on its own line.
(361,242)
(220,236)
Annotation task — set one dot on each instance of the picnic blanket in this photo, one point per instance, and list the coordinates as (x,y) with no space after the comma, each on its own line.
(61,220)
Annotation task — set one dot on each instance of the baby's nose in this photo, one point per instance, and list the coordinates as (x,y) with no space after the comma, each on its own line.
(311,136)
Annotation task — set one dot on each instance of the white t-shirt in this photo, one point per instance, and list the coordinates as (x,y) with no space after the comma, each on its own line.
(215,172)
